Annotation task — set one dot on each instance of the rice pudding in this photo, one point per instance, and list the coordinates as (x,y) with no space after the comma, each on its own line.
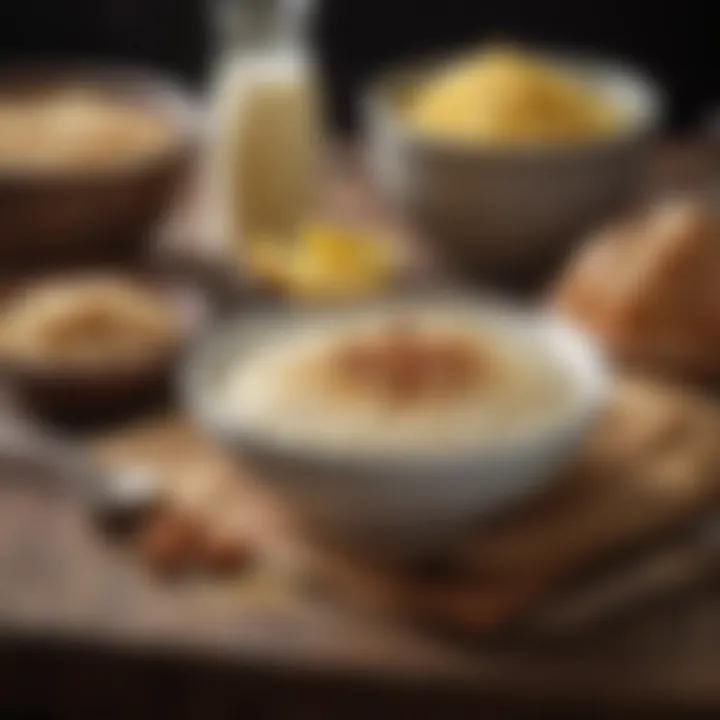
(429,379)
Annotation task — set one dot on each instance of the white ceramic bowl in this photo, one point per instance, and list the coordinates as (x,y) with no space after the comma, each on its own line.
(508,207)
(403,502)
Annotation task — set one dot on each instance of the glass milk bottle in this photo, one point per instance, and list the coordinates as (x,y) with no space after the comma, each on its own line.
(265,132)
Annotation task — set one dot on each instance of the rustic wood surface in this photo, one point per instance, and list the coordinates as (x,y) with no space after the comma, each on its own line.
(651,469)
(64,585)
(83,629)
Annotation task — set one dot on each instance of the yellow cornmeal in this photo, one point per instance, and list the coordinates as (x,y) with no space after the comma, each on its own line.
(503,96)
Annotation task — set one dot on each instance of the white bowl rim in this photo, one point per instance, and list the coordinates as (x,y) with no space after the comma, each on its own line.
(376,109)
(589,366)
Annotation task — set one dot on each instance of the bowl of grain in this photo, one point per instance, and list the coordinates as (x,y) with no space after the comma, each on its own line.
(90,160)
(91,346)
(504,157)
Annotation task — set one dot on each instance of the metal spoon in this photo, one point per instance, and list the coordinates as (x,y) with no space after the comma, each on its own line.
(106,493)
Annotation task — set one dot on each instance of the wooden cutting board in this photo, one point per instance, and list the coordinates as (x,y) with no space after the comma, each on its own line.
(652,466)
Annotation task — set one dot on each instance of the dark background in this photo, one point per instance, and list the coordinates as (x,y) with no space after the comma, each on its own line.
(676,43)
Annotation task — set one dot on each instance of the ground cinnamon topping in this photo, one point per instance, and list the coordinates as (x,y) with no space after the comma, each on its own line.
(403,364)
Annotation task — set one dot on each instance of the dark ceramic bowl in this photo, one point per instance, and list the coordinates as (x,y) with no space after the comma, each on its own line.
(64,217)
(73,397)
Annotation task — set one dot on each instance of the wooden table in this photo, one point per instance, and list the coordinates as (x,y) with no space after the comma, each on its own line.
(83,628)
(84,633)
